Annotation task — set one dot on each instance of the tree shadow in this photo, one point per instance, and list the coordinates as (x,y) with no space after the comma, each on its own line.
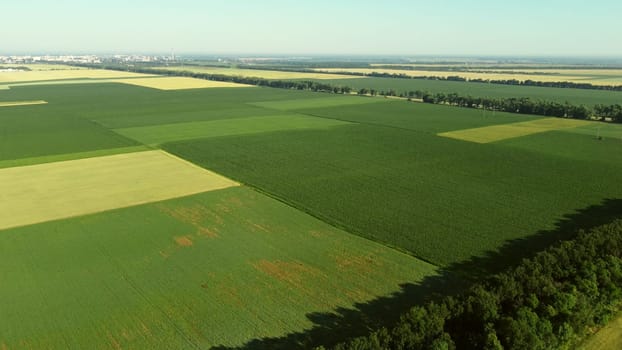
(345,323)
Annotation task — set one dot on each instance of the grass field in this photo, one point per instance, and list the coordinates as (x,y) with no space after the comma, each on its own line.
(508,131)
(575,96)
(51,191)
(265,74)
(597,77)
(219,268)
(158,134)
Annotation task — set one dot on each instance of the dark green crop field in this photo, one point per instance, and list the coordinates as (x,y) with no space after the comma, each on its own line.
(575,96)
(392,179)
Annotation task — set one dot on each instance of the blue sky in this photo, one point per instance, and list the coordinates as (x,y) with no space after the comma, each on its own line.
(390,27)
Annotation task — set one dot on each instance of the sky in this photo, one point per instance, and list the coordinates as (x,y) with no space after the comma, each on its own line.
(319,27)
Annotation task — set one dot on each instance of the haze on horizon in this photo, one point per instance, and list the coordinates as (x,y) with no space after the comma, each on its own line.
(319,27)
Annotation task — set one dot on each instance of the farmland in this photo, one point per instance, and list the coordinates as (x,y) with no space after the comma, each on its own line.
(258,73)
(435,193)
(284,213)
(219,268)
(576,96)
(592,76)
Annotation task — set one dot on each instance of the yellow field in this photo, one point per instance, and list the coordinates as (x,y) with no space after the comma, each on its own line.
(42,66)
(44,192)
(608,338)
(264,74)
(507,131)
(22,103)
(466,75)
(178,83)
(16,77)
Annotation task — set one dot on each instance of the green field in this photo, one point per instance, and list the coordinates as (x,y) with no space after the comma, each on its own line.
(575,96)
(279,258)
(390,178)
(158,134)
(220,268)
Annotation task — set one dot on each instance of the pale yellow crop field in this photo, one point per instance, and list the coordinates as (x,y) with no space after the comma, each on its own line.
(591,76)
(42,66)
(44,192)
(495,133)
(466,75)
(28,76)
(608,338)
(257,73)
(178,83)
(22,103)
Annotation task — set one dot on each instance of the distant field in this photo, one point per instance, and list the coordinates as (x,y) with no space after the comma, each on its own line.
(338,100)
(41,66)
(605,77)
(575,96)
(158,134)
(265,74)
(51,191)
(507,131)
(178,83)
(21,103)
(216,269)
(31,76)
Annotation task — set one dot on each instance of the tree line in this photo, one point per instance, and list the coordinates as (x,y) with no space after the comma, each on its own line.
(551,301)
(611,113)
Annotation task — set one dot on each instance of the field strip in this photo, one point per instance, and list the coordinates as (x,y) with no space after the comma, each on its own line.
(159,134)
(22,103)
(9,163)
(258,73)
(495,133)
(39,193)
(178,83)
(336,101)
(9,78)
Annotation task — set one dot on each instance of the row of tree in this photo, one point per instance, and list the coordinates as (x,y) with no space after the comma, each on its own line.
(612,113)
(525,105)
(550,301)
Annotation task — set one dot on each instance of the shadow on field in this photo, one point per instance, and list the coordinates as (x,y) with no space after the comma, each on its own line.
(346,323)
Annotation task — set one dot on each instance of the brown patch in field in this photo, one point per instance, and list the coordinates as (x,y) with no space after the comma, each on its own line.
(230,295)
(145,329)
(183,241)
(4,347)
(317,234)
(357,263)
(114,342)
(291,272)
(195,215)
(164,254)
(207,232)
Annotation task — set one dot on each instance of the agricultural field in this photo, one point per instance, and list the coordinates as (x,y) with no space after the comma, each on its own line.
(178,83)
(256,73)
(608,338)
(574,96)
(140,217)
(58,190)
(389,177)
(214,269)
(592,76)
